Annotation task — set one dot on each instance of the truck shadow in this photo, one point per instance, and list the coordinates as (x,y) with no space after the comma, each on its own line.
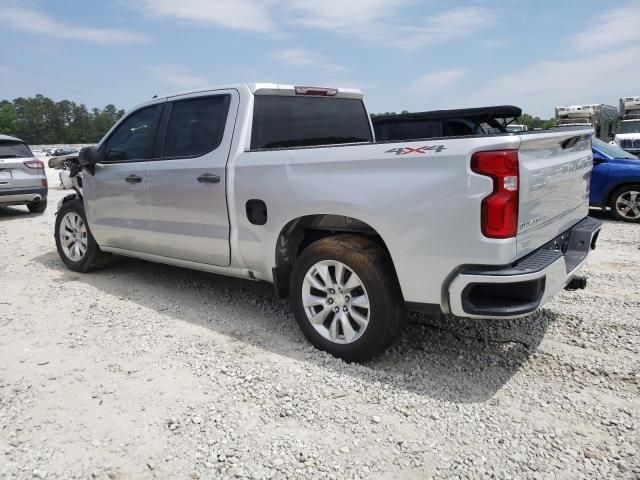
(459,360)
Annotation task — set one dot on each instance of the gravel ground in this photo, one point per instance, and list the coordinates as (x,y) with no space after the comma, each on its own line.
(149,371)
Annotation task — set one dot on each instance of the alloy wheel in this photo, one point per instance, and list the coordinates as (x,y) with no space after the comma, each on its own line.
(335,301)
(73,236)
(628,204)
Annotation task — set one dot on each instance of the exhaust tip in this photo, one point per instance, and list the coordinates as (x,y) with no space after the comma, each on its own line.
(577,283)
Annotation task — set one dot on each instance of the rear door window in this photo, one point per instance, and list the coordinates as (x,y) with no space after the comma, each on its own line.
(134,138)
(296,121)
(196,126)
(13,149)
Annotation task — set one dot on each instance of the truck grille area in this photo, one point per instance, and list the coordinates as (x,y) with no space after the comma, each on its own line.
(630,143)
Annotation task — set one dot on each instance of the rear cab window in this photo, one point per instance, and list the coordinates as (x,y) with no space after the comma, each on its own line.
(14,149)
(307,121)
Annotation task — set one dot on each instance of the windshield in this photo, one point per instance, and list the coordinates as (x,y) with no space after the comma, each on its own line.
(612,151)
(629,127)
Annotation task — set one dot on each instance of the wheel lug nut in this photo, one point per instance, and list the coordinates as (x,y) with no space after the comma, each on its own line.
(337,309)
(345,309)
(346,298)
(330,301)
(332,291)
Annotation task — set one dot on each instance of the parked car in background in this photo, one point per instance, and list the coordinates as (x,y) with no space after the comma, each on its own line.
(627,135)
(22,177)
(615,181)
(63,151)
(516,128)
(598,116)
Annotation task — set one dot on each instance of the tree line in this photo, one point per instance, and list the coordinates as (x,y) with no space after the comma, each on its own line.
(40,120)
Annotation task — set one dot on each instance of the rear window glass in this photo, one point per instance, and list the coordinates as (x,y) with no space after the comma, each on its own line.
(196,126)
(13,149)
(285,122)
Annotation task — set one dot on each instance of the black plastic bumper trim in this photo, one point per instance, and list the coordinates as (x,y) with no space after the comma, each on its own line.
(573,244)
(26,191)
(503,299)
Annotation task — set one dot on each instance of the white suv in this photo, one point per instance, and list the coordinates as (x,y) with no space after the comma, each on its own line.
(22,177)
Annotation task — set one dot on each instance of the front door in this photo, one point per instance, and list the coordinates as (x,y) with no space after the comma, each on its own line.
(115,196)
(186,197)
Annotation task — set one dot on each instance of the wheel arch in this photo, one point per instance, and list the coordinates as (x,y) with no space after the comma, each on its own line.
(613,188)
(66,199)
(300,232)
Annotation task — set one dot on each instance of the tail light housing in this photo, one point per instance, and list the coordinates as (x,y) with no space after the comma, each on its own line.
(499,217)
(34,163)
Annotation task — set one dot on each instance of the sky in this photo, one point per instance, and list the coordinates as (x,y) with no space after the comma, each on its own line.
(411,55)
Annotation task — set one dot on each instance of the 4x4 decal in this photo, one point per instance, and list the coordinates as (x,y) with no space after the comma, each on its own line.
(423,150)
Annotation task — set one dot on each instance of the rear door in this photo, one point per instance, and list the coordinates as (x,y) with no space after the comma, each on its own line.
(15,175)
(114,196)
(186,196)
(555,170)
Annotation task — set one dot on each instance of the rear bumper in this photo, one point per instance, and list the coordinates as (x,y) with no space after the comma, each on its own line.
(25,195)
(521,288)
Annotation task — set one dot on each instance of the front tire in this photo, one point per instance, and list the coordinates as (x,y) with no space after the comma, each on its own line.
(76,246)
(346,297)
(37,207)
(625,203)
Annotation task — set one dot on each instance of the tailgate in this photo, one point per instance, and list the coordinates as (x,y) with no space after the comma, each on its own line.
(555,170)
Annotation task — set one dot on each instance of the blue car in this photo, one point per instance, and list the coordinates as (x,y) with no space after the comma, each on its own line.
(615,181)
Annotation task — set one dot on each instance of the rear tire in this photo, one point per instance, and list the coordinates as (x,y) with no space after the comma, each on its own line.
(366,311)
(37,207)
(625,203)
(76,246)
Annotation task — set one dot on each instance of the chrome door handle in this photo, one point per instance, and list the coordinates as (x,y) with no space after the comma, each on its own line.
(209,178)
(133,179)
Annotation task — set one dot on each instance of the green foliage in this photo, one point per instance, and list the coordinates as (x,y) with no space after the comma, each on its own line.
(8,117)
(535,122)
(39,120)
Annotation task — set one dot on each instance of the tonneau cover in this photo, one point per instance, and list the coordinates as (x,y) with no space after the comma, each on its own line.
(500,111)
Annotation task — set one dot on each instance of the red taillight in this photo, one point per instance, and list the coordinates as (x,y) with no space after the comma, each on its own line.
(317,91)
(500,209)
(44,183)
(34,163)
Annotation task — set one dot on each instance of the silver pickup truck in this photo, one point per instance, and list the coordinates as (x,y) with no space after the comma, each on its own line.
(288,185)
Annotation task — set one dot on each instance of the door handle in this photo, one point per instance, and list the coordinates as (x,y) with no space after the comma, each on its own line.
(133,179)
(209,178)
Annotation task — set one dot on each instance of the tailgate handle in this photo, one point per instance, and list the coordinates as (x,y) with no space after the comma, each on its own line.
(133,179)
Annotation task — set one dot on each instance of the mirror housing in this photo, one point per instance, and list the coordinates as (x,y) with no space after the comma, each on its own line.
(88,157)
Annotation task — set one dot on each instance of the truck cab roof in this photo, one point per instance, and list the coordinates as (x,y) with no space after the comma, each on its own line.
(261,88)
